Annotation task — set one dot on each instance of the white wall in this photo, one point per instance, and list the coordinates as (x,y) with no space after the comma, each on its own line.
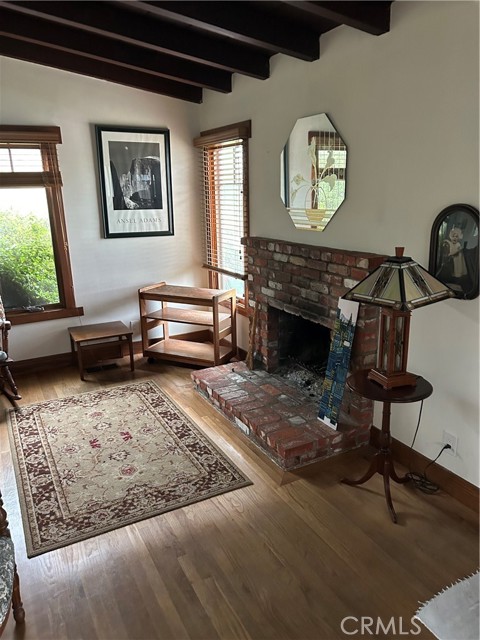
(406,104)
(106,272)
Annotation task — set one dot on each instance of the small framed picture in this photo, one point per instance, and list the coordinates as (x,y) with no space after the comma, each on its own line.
(135,181)
(454,249)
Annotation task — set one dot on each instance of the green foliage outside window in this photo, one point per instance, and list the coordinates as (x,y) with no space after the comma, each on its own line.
(27,264)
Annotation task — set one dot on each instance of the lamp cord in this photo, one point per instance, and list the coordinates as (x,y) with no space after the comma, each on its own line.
(420,480)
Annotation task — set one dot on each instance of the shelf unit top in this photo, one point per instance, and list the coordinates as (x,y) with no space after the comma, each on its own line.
(178,293)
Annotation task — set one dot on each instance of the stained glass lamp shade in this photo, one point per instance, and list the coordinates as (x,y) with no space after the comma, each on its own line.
(398,286)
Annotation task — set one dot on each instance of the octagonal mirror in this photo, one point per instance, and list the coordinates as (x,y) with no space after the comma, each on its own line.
(313,172)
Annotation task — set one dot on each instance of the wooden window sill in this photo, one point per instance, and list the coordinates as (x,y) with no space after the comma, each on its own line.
(25,317)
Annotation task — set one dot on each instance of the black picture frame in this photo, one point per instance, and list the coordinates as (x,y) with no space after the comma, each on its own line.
(135,181)
(454,250)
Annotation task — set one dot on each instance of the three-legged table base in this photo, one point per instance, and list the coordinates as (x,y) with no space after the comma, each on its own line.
(382,463)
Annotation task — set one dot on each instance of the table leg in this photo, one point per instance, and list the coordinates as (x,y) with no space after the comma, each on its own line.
(371,471)
(80,361)
(130,348)
(386,486)
(382,463)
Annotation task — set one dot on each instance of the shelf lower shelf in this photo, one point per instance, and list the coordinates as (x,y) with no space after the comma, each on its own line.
(188,316)
(187,351)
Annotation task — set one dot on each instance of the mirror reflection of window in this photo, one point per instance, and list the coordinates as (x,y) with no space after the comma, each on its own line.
(329,170)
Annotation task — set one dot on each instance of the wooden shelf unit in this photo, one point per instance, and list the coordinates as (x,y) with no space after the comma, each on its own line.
(206,347)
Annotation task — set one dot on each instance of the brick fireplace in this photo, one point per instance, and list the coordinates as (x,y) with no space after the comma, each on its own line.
(305,281)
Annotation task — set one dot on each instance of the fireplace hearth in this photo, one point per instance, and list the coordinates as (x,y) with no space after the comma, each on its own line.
(297,287)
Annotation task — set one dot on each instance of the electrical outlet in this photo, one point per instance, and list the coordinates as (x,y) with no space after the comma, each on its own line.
(449,438)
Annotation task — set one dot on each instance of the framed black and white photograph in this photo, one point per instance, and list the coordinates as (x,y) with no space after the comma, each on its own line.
(135,181)
(454,249)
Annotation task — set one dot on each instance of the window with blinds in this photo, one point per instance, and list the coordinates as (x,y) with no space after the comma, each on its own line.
(225,195)
(35,273)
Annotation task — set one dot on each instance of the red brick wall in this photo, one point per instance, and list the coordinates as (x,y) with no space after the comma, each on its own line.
(307,281)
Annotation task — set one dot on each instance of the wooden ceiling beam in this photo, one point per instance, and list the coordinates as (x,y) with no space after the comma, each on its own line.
(134,28)
(372,17)
(89,45)
(38,54)
(243,22)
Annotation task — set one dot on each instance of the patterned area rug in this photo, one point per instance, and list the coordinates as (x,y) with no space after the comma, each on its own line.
(97,461)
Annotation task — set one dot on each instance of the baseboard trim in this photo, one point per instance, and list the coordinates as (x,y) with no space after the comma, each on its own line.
(44,363)
(460,489)
(56,361)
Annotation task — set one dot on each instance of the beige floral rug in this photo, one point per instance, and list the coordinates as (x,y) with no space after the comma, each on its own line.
(93,462)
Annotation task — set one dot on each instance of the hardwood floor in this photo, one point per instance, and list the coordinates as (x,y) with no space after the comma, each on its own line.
(287,558)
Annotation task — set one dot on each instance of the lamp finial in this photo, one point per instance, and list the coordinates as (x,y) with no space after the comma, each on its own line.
(399,252)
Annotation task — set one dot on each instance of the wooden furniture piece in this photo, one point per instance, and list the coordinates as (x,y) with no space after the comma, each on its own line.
(8,387)
(103,341)
(9,582)
(206,347)
(382,462)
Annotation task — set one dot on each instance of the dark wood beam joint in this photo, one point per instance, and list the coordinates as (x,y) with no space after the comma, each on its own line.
(95,47)
(372,17)
(104,19)
(241,22)
(105,71)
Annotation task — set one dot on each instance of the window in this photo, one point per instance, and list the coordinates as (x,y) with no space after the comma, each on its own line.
(35,273)
(225,186)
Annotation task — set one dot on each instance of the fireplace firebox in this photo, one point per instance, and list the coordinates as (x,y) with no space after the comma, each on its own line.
(302,352)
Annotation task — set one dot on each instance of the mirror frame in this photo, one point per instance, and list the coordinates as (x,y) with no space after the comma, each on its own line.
(441,258)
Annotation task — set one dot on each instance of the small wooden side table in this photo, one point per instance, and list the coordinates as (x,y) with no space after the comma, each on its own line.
(88,339)
(382,462)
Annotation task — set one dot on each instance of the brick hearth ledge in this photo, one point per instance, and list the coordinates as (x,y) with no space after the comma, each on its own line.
(275,415)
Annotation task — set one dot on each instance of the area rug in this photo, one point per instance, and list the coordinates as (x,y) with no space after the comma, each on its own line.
(100,460)
(453,613)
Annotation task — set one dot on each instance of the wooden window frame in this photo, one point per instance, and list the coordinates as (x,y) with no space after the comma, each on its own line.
(46,139)
(207,141)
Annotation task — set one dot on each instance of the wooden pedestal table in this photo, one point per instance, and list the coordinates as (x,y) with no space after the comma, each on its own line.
(382,462)
(104,340)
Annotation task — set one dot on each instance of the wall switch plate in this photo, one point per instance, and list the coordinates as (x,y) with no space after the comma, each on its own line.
(452,440)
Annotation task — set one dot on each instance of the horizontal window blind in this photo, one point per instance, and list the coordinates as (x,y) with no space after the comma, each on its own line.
(29,165)
(225,191)
(225,210)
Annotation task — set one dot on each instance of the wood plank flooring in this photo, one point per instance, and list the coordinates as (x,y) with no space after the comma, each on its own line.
(287,558)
